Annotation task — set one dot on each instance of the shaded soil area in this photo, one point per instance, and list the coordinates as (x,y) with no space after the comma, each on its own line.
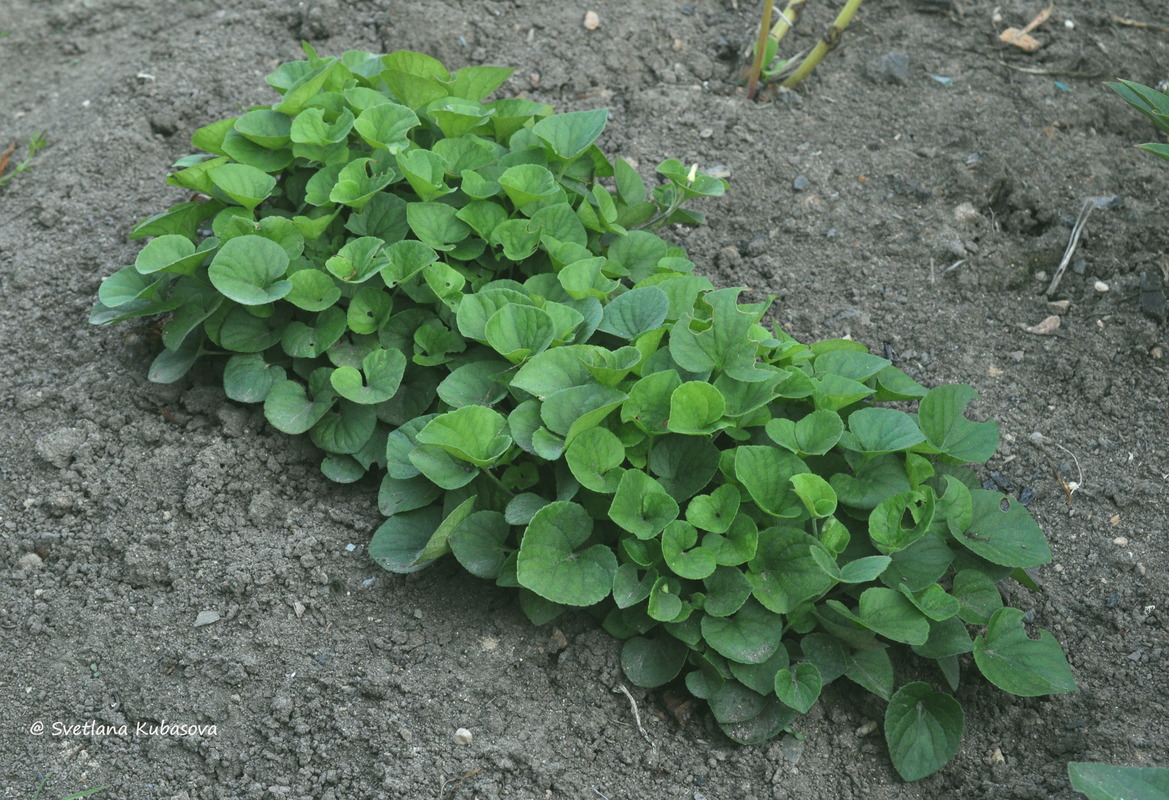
(917,195)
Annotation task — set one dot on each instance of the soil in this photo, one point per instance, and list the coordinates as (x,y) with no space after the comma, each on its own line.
(916,194)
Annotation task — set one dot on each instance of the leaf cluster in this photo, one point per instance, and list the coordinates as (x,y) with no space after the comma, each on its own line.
(1150,102)
(462,297)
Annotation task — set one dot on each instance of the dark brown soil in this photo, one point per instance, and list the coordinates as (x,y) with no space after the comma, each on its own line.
(917,195)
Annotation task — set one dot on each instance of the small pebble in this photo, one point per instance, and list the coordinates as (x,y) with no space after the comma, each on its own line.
(591,20)
(1060,306)
(719,171)
(867,728)
(29,561)
(1045,328)
(995,757)
(406,735)
(463,736)
(1120,541)
(206,618)
(800,183)
(1100,286)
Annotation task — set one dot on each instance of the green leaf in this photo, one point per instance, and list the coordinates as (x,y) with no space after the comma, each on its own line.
(978,596)
(715,511)
(289,409)
(400,539)
(312,290)
(550,564)
(814,434)
(684,465)
(798,687)
(940,415)
(1003,532)
(569,135)
(727,589)
(360,181)
(872,670)
(633,313)
(649,401)
(525,184)
(738,546)
(250,270)
(923,729)
(385,126)
(874,431)
(1015,663)
(518,331)
(397,495)
(750,635)
(696,408)
(1113,782)
(682,557)
(369,310)
(641,506)
(783,572)
(249,379)
(480,383)
(815,493)
(265,127)
(358,260)
(595,458)
(244,185)
(569,412)
(721,343)
(345,428)
(437,545)
(888,613)
(426,174)
(888,520)
(475,434)
(479,542)
(170,253)
(653,662)
(378,381)
(437,225)
(766,472)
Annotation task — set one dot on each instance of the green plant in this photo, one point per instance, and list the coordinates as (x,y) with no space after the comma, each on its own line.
(35,145)
(1151,103)
(791,71)
(76,796)
(1109,782)
(449,290)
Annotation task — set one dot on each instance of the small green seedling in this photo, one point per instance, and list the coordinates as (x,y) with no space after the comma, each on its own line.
(766,65)
(464,298)
(35,145)
(77,796)
(1110,782)
(1153,104)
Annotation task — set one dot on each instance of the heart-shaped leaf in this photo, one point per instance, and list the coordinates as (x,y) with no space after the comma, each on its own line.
(250,270)
(550,564)
(923,729)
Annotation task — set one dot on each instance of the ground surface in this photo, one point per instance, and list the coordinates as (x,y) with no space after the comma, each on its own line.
(922,216)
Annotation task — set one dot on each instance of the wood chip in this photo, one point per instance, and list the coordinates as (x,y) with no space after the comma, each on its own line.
(1049,326)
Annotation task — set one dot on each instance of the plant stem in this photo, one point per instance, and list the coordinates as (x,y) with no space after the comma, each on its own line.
(830,39)
(760,47)
(786,20)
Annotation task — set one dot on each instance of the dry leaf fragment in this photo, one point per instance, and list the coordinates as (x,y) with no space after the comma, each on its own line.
(1022,38)
(1045,328)
(1024,41)
(591,20)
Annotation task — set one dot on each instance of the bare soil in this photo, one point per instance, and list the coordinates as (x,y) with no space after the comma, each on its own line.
(916,194)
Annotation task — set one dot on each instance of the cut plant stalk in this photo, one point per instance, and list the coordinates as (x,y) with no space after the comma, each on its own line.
(767,46)
(828,42)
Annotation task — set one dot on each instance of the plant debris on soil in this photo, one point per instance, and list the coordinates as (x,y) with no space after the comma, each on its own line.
(186,607)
